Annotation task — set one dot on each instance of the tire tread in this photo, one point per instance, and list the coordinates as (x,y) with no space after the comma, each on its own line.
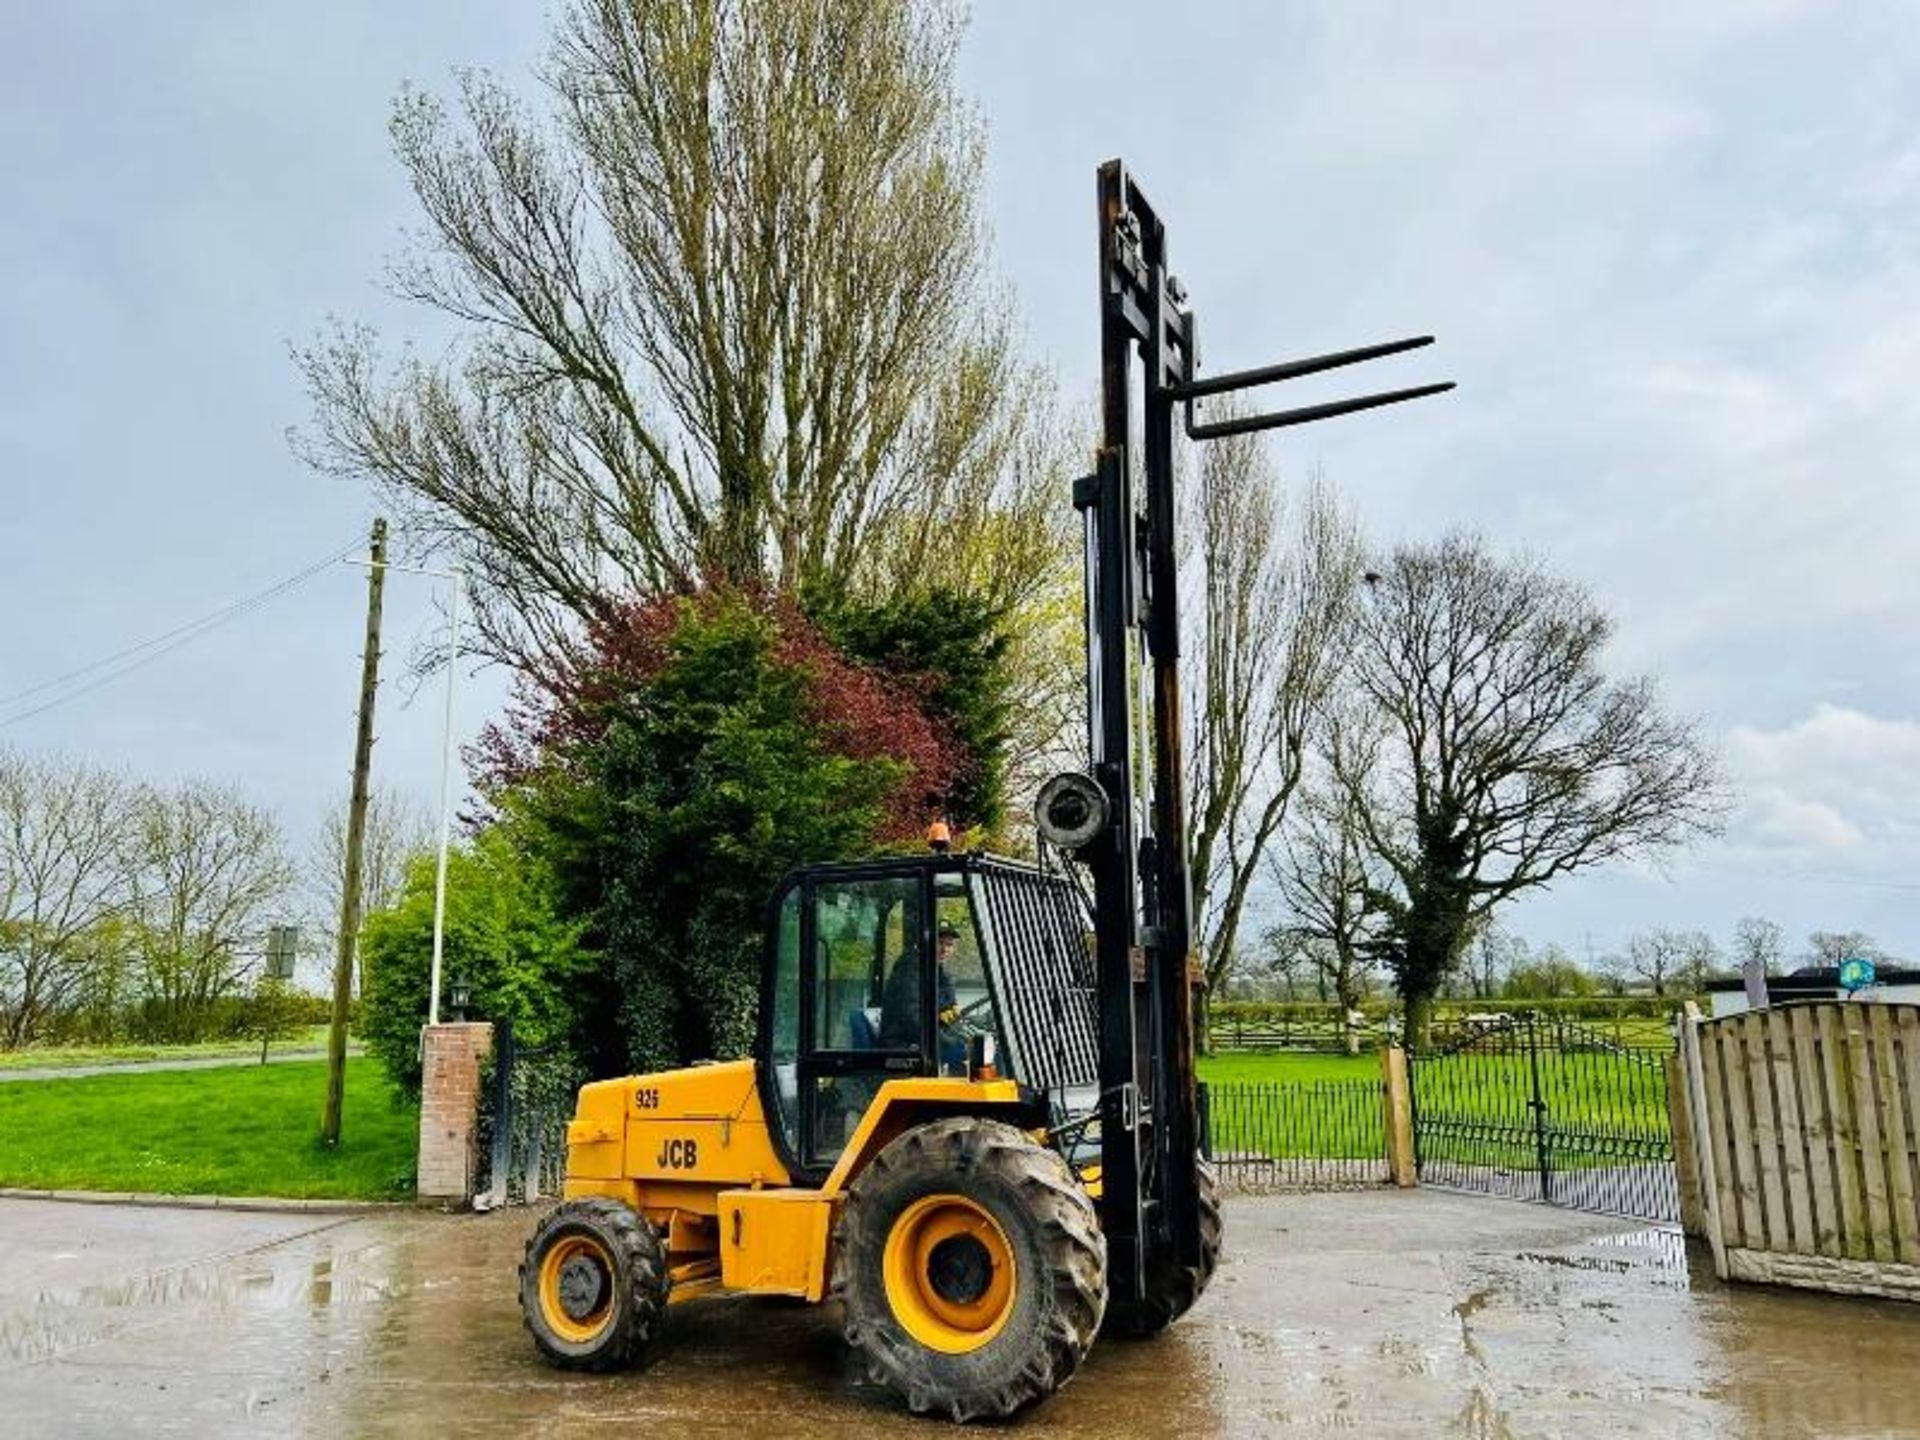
(1064,1224)
(640,1260)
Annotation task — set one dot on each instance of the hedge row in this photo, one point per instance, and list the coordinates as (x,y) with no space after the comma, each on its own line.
(147,1023)
(1586,1007)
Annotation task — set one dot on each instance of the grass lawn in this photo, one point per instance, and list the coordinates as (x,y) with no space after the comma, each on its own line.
(51,1057)
(240,1130)
(1295,1105)
(1286,1068)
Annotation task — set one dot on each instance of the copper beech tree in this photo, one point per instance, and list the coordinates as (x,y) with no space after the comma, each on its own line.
(711,742)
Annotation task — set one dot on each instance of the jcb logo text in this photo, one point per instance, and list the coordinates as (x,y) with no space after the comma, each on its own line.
(679,1155)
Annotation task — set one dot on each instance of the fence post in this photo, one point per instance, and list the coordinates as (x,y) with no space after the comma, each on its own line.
(1398,1099)
(1699,1130)
(505,1055)
(1686,1165)
(1538,1105)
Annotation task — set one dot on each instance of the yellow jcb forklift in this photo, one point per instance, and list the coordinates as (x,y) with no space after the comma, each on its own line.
(970,1116)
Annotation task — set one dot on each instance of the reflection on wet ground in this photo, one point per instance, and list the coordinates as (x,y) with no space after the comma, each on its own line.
(1375,1313)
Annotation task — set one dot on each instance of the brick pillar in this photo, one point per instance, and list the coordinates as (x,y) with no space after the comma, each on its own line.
(450,1107)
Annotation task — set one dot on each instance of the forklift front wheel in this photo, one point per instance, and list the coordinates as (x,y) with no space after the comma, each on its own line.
(972,1269)
(593,1285)
(1173,1291)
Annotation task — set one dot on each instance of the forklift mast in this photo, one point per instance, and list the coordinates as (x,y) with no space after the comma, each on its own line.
(1146,960)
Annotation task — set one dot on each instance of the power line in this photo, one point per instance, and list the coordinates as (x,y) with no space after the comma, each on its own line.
(1808,878)
(1801,877)
(205,620)
(137,657)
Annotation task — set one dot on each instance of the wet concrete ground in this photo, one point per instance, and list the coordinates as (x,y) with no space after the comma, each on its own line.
(1374,1313)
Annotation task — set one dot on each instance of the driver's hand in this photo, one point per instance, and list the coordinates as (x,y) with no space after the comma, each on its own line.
(950,1014)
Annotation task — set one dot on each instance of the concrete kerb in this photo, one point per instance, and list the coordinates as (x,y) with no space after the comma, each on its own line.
(268,1203)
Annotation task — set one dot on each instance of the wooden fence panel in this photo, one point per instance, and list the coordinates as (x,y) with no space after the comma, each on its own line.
(1766,1135)
(1719,1130)
(1687,1171)
(1793,1140)
(1854,1241)
(1907,1027)
(1866,1119)
(1817,1123)
(1894,1134)
(1746,1178)
(1809,1119)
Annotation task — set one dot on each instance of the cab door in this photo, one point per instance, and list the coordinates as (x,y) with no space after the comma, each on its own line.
(865,963)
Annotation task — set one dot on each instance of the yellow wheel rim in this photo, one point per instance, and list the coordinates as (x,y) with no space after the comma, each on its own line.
(576,1288)
(949,1273)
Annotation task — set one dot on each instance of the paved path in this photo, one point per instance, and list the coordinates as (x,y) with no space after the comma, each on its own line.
(184,1062)
(1375,1313)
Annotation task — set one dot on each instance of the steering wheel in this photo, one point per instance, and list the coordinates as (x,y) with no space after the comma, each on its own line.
(973,1008)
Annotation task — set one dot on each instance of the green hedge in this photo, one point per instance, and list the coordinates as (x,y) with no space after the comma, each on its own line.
(1588,1007)
(148,1023)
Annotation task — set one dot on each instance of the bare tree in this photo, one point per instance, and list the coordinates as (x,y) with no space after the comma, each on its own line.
(1273,592)
(1759,941)
(725,311)
(1828,948)
(1277,966)
(1668,959)
(1488,754)
(1491,956)
(213,868)
(1324,874)
(64,873)
(1552,974)
(398,828)
(1614,973)
(1703,961)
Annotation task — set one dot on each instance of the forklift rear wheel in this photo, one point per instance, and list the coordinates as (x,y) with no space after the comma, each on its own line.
(1174,1291)
(972,1269)
(593,1285)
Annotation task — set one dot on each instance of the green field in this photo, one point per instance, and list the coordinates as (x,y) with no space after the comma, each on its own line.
(1635,1031)
(235,1130)
(1308,1105)
(55,1057)
(1286,1069)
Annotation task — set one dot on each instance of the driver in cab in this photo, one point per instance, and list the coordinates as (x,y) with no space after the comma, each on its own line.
(900,1003)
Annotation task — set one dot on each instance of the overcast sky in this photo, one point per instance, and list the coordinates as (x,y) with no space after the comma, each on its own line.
(1672,253)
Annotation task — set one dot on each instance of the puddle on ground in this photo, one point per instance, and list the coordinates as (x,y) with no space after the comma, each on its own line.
(391,1326)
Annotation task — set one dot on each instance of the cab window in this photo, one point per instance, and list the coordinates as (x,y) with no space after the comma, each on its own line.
(784,1025)
(967,1005)
(867,963)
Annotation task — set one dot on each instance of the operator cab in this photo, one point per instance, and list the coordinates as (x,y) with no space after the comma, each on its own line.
(920,966)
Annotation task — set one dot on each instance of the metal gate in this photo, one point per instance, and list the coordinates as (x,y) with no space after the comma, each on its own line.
(1537,1108)
(528,1097)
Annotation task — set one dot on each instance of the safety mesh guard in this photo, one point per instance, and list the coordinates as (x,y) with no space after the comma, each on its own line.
(1044,972)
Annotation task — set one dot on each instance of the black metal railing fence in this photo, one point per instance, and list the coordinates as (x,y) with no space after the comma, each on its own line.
(1323,1134)
(1531,1107)
(527,1097)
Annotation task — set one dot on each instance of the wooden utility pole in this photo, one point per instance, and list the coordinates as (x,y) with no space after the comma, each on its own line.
(356,840)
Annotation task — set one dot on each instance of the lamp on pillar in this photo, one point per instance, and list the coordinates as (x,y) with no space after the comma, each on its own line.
(460,996)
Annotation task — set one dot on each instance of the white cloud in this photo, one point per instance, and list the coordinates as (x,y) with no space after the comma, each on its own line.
(1840,787)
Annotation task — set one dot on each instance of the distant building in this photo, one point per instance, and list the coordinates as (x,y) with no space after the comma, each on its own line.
(1816,982)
